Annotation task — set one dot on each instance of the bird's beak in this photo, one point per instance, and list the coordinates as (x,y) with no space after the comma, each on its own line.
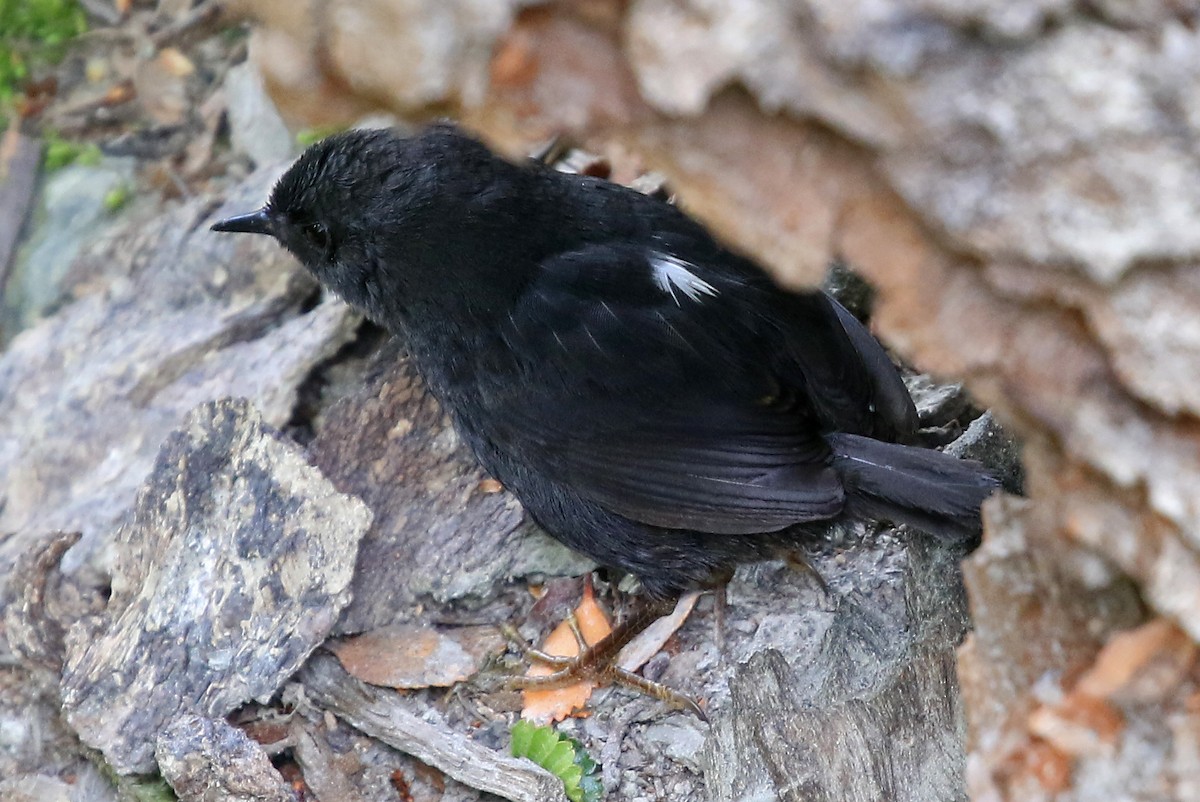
(257,222)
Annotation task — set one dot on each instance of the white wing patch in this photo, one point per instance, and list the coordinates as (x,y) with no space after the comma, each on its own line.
(671,274)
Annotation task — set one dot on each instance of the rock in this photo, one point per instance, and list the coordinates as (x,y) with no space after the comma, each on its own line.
(850,289)
(70,214)
(681,739)
(987,442)
(1016,179)
(233,570)
(167,315)
(255,127)
(35,789)
(207,760)
(390,445)
(937,404)
(20,165)
(446,46)
(820,689)
(45,603)
(1048,674)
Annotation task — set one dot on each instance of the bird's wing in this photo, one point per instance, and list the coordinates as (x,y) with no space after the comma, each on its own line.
(679,396)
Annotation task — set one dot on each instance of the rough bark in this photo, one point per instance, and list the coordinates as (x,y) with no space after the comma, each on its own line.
(207,760)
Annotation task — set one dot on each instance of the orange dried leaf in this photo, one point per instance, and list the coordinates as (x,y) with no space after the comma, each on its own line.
(1125,661)
(554,705)
(1079,725)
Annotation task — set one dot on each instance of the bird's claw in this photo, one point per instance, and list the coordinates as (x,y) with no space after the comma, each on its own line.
(595,664)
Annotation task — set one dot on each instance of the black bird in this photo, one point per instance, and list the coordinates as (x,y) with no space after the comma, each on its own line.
(652,397)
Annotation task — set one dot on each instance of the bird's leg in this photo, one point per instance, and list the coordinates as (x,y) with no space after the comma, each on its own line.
(551,150)
(657,690)
(801,564)
(545,658)
(598,663)
(592,662)
(720,605)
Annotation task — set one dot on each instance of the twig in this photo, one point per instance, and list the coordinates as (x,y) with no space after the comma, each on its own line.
(378,713)
(198,17)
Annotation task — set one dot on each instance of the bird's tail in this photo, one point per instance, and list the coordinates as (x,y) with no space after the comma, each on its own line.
(920,487)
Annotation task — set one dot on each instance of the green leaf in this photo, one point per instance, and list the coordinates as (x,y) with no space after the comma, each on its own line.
(522,737)
(311,136)
(591,789)
(562,756)
(544,741)
(150,790)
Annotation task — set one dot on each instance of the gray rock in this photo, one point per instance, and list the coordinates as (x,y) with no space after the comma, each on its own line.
(255,127)
(866,691)
(69,215)
(986,441)
(937,404)
(35,789)
(681,739)
(168,315)
(233,570)
(208,760)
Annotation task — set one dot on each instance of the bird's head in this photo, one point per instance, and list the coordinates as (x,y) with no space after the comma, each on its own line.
(356,208)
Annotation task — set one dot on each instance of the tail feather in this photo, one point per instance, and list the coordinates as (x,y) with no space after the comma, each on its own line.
(920,487)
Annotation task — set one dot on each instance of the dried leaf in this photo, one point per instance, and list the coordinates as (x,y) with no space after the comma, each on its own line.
(1079,725)
(651,639)
(415,656)
(557,704)
(1147,663)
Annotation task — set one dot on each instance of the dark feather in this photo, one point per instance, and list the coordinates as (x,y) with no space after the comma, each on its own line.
(927,489)
(651,396)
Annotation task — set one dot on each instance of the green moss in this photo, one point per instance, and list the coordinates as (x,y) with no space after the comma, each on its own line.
(61,152)
(34,34)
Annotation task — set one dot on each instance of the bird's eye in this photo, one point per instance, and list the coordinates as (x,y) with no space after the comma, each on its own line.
(317,236)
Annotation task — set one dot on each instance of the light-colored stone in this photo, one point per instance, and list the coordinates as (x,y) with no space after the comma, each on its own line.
(255,127)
